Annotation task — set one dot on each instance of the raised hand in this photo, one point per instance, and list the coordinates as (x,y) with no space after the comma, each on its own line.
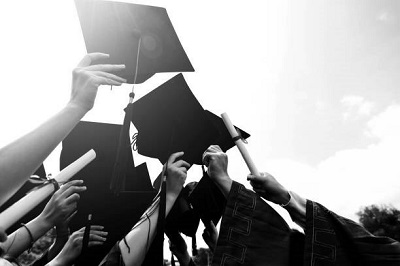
(269,188)
(217,163)
(86,79)
(63,204)
(73,247)
(176,173)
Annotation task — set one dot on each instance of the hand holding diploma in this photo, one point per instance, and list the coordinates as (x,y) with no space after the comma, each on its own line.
(27,203)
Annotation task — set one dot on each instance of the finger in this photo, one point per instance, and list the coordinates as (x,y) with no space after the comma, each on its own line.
(182,163)
(183,169)
(109,76)
(106,68)
(80,230)
(77,234)
(72,199)
(94,237)
(68,185)
(73,189)
(210,150)
(207,157)
(95,243)
(106,81)
(216,148)
(97,227)
(89,58)
(254,178)
(174,156)
(99,233)
(3,235)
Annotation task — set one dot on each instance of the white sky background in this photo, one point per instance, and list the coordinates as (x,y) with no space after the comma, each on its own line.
(316,84)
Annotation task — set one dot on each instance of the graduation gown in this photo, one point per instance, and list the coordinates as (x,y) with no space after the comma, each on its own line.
(252,233)
(334,240)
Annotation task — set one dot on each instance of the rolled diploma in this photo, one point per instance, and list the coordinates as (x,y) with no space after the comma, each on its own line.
(30,201)
(240,144)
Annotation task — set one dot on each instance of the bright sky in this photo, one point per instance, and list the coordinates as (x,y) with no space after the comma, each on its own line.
(316,84)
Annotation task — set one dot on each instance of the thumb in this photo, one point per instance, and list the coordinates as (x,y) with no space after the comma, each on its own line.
(251,177)
(3,235)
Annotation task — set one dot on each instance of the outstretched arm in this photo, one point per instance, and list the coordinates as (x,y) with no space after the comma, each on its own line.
(270,189)
(265,185)
(22,157)
(138,240)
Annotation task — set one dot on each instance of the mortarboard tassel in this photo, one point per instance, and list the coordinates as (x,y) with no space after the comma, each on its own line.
(119,170)
(120,165)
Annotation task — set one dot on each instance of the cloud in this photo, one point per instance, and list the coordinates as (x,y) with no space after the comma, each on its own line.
(386,17)
(352,178)
(386,125)
(356,107)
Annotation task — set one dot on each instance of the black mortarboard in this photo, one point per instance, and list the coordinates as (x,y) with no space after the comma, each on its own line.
(117,213)
(116,28)
(170,119)
(182,218)
(207,200)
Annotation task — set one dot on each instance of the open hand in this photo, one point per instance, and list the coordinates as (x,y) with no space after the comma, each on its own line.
(86,78)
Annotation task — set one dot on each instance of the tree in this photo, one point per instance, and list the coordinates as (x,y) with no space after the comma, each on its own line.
(381,220)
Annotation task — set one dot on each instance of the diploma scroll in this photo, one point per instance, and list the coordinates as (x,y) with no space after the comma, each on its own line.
(30,201)
(240,144)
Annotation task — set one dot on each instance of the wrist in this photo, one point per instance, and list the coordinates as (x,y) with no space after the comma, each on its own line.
(77,108)
(224,183)
(297,209)
(170,198)
(45,221)
(173,193)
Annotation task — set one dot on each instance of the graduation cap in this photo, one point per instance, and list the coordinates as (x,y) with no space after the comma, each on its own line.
(182,218)
(117,213)
(139,36)
(170,119)
(207,200)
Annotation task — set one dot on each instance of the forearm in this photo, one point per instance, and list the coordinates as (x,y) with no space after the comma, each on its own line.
(57,262)
(224,184)
(21,240)
(141,236)
(297,209)
(62,236)
(23,156)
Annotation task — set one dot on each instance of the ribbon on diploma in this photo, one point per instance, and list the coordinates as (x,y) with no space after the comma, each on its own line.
(42,181)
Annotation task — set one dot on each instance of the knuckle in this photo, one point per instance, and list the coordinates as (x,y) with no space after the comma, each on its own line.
(76,196)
